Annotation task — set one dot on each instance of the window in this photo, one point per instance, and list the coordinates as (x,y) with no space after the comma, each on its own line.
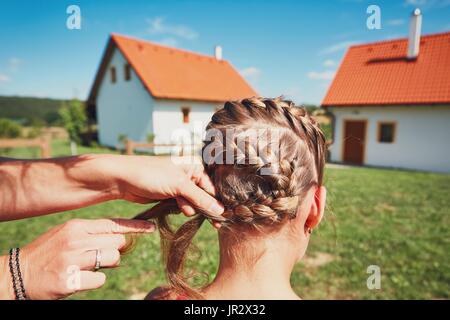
(113,74)
(127,72)
(186,112)
(386,132)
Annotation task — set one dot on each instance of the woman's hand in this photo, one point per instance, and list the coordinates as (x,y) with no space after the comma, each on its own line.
(36,187)
(61,261)
(144,179)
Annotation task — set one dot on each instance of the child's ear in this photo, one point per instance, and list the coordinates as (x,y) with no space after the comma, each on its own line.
(317,208)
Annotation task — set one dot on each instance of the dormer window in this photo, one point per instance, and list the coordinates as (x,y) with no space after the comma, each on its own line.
(127,72)
(113,74)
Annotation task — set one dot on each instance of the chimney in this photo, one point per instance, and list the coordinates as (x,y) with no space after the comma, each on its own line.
(218,52)
(414,34)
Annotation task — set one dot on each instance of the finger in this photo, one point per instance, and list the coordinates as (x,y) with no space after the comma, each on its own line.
(198,198)
(91,280)
(217,225)
(104,241)
(169,206)
(203,180)
(119,226)
(185,207)
(109,258)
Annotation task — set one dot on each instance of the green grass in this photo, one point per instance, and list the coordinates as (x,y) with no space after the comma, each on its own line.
(59,148)
(398,220)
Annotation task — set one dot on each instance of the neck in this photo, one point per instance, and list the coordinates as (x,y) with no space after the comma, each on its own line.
(267,277)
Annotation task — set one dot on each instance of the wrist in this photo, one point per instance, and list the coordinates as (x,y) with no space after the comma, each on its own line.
(6,287)
(107,175)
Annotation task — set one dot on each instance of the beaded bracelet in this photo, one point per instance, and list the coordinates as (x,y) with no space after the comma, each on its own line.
(16,274)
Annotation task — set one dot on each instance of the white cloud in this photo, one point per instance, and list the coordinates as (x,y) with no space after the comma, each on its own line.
(158,26)
(415,2)
(427,3)
(324,75)
(250,72)
(170,42)
(4,78)
(329,63)
(393,36)
(14,63)
(294,94)
(395,22)
(337,47)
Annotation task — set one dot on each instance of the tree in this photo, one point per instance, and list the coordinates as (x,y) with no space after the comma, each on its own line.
(10,129)
(74,119)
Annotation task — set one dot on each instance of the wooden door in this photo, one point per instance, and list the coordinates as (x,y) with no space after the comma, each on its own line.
(354,141)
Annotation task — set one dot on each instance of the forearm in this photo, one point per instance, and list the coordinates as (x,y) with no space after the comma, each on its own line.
(37,187)
(6,289)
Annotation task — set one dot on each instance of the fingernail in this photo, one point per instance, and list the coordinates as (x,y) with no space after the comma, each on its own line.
(217,209)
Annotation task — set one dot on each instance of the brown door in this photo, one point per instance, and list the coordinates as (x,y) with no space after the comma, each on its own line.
(354,141)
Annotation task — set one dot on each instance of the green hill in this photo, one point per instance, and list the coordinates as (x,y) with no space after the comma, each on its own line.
(30,110)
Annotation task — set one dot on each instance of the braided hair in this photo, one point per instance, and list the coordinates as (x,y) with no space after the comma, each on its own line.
(262,155)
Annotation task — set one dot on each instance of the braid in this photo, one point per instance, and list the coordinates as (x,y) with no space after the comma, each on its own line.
(249,196)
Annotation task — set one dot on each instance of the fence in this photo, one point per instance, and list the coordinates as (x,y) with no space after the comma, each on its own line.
(130,146)
(42,143)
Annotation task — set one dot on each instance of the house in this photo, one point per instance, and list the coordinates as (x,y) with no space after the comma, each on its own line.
(390,103)
(143,89)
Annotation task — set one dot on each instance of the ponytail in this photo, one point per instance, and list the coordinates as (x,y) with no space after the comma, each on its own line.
(175,245)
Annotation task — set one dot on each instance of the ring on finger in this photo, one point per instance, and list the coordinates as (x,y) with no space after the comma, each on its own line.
(98,259)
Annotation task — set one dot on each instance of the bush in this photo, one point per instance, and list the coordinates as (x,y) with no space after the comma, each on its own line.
(10,129)
(150,138)
(34,132)
(122,138)
(327,131)
(74,118)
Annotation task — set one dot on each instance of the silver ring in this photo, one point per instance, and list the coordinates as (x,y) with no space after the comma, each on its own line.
(98,260)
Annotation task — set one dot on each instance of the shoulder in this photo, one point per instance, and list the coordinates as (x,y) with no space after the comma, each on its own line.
(164,293)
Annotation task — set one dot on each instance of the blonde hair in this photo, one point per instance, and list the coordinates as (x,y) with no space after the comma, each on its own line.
(289,145)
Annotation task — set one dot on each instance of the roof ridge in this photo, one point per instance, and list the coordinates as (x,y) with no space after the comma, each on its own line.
(432,35)
(381,74)
(113,34)
(175,73)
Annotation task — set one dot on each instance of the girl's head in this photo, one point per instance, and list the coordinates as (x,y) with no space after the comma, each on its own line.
(265,158)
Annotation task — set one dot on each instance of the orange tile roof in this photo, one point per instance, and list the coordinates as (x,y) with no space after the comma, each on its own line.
(380,74)
(170,73)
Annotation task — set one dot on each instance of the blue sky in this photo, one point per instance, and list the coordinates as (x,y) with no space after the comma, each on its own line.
(281,47)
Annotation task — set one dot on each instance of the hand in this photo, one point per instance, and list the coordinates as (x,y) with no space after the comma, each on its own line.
(29,186)
(144,179)
(52,264)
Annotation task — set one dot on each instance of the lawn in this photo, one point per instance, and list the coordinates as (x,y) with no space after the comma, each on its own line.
(397,220)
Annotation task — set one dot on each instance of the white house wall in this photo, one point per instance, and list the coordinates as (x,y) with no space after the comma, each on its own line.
(168,120)
(124,107)
(422,136)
